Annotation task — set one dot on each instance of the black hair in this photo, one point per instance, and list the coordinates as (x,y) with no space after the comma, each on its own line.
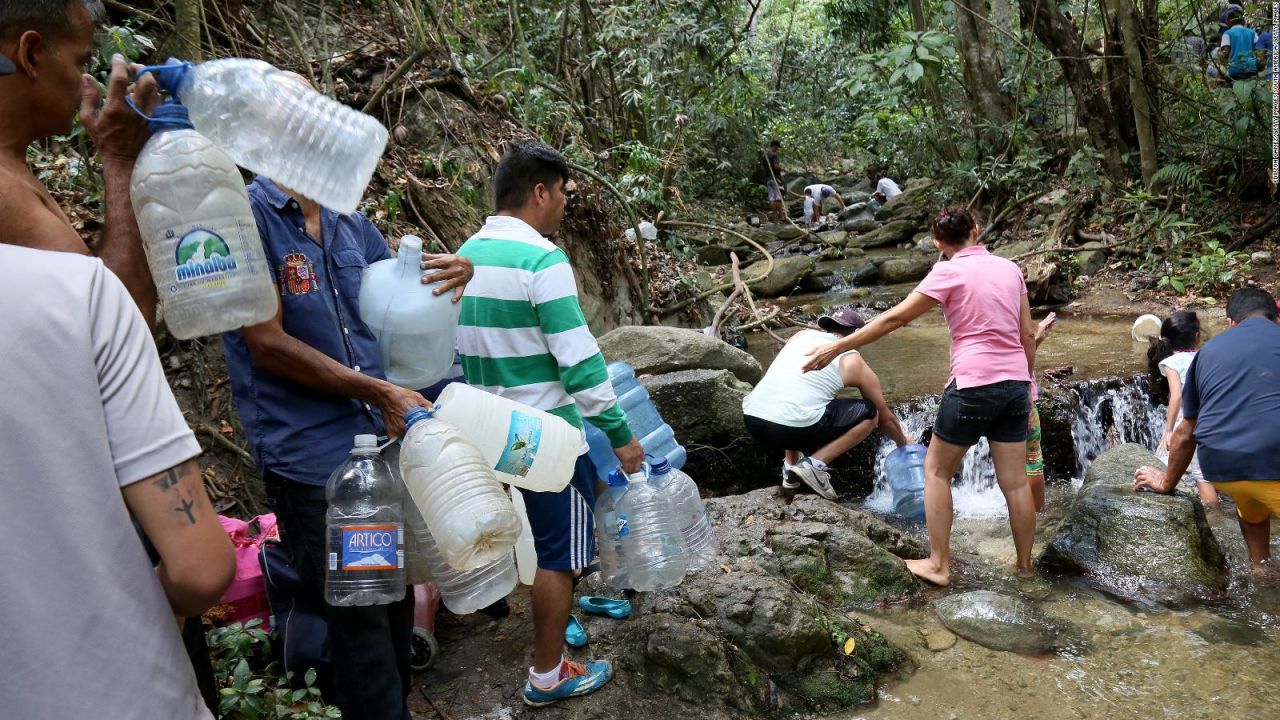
(953,226)
(525,166)
(49,17)
(1177,332)
(775,144)
(1250,301)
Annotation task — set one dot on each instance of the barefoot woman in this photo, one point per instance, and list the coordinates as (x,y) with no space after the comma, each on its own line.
(984,299)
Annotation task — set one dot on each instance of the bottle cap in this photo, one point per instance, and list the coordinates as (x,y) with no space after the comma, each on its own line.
(366,441)
(617,478)
(412,243)
(416,415)
(169,116)
(658,465)
(170,75)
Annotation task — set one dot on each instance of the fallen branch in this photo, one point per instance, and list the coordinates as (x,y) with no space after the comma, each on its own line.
(395,76)
(221,439)
(761,322)
(714,327)
(719,288)
(751,303)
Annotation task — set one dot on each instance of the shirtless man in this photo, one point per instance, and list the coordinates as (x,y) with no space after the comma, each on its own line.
(42,82)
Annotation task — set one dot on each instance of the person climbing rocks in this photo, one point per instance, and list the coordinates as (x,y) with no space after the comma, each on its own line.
(1169,356)
(1230,410)
(993,353)
(773,181)
(798,414)
(814,197)
(886,189)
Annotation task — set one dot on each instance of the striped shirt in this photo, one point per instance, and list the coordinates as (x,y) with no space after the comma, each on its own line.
(522,334)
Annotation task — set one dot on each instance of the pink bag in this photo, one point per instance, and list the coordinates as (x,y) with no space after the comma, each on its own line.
(246,599)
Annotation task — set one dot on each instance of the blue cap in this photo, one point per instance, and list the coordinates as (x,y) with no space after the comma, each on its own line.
(170,116)
(415,415)
(617,478)
(170,75)
(658,465)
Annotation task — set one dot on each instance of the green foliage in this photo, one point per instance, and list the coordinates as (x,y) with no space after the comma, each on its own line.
(1178,177)
(251,687)
(1213,270)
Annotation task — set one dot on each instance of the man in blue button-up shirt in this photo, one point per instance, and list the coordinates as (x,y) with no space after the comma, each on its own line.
(305,384)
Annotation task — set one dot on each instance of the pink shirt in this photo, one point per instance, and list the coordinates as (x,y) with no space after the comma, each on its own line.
(981,297)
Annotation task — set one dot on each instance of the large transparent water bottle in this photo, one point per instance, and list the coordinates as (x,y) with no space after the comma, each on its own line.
(415,328)
(466,591)
(649,537)
(198,232)
(470,517)
(416,571)
(366,530)
(696,535)
(612,566)
(904,469)
(654,434)
(272,123)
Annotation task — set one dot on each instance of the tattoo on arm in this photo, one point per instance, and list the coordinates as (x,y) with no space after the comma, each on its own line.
(170,482)
(185,507)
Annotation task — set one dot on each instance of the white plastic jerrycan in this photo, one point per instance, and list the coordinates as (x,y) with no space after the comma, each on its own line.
(415,328)
(526,447)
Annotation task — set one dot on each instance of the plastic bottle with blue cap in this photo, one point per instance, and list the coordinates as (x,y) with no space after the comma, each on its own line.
(696,534)
(654,434)
(198,231)
(609,531)
(648,536)
(272,123)
(365,526)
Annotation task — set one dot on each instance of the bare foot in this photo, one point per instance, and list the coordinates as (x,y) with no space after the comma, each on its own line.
(1026,573)
(929,571)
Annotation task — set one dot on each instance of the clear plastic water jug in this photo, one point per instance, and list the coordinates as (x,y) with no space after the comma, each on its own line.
(612,567)
(526,552)
(365,526)
(414,327)
(649,537)
(696,535)
(416,570)
(655,436)
(526,447)
(904,470)
(270,122)
(469,515)
(465,592)
(198,232)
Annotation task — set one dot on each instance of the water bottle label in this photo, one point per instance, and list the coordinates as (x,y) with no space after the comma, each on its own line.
(204,255)
(371,547)
(523,438)
(623,529)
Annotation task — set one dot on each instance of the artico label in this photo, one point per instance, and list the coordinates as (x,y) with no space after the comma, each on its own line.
(371,547)
(523,438)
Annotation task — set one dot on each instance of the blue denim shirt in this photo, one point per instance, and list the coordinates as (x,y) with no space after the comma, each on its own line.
(294,431)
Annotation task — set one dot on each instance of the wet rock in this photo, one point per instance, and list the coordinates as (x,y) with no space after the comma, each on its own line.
(1142,547)
(652,350)
(712,254)
(939,640)
(1262,257)
(852,210)
(855,197)
(785,276)
(1001,622)
(864,274)
(1142,282)
(1091,259)
(863,222)
(816,283)
(891,233)
(1051,202)
(834,238)
(924,243)
(704,407)
(789,232)
(902,270)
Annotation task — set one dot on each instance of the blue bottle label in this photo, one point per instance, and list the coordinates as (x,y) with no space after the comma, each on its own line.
(523,438)
(371,547)
(622,529)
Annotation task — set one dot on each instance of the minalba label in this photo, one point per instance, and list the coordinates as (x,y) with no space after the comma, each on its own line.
(523,437)
(371,547)
(203,255)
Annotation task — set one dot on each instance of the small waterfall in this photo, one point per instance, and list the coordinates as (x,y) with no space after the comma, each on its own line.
(1103,413)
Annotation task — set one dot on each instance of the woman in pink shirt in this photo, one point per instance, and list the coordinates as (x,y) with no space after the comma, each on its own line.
(984,299)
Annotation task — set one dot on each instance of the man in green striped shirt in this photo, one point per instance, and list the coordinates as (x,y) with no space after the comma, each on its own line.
(522,335)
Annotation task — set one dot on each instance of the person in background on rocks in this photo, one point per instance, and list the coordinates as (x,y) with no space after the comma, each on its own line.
(1169,356)
(814,197)
(522,336)
(1230,409)
(798,413)
(1239,39)
(993,353)
(1035,454)
(773,182)
(885,190)
(93,438)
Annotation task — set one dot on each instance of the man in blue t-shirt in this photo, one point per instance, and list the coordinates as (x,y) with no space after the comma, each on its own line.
(1231,409)
(1242,63)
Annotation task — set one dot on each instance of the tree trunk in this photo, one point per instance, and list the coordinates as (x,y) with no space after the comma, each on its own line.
(186,29)
(931,90)
(1115,75)
(982,69)
(1144,123)
(786,43)
(1061,38)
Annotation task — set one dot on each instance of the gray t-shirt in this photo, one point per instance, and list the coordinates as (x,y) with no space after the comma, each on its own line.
(87,631)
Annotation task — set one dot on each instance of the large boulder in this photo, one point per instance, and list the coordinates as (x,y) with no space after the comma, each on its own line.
(904,269)
(1051,202)
(855,197)
(1003,622)
(783,278)
(834,238)
(789,232)
(1091,258)
(891,233)
(703,407)
(651,350)
(863,222)
(1143,547)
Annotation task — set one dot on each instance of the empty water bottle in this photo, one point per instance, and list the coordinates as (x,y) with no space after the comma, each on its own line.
(655,436)
(416,571)
(272,123)
(696,535)
(649,537)
(904,469)
(465,592)
(415,327)
(470,517)
(198,231)
(612,566)
(366,530)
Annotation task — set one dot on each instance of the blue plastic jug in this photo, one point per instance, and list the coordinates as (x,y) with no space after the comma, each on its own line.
(904,469)
(657,437)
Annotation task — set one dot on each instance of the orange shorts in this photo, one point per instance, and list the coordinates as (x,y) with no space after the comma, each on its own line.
(1256,500)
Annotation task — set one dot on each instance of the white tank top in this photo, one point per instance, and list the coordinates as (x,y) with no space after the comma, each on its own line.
(789,396)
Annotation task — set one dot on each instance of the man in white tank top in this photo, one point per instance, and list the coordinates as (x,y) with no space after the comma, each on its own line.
(798,412)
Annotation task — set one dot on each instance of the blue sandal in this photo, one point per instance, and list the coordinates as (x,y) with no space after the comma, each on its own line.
(575,636)
(596,605)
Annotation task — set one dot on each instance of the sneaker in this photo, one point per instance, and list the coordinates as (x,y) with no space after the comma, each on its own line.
(575,681)
(818,480)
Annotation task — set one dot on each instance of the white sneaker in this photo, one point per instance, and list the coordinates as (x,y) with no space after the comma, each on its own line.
(809,474)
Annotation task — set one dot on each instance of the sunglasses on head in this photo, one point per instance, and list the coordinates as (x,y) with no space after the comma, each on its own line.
(6,66)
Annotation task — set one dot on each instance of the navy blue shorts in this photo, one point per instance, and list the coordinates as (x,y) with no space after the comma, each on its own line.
(564,534)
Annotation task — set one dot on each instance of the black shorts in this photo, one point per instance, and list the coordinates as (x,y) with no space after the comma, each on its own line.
(839,418)
(998,411)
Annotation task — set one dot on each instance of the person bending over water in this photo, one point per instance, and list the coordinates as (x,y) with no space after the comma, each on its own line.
(984,299)
(1168,358)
